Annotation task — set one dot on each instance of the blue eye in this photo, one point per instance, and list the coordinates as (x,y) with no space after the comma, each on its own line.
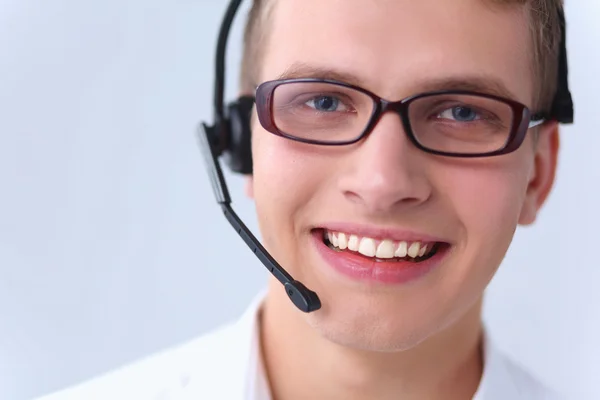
(464,114)
(324,103)
(460,114)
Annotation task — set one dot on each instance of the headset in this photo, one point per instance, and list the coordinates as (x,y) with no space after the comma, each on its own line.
(230,135)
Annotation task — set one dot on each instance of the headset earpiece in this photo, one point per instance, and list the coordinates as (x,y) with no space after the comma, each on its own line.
(562,107)
(238,151)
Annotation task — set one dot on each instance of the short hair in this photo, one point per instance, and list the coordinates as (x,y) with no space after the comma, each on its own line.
(544,27)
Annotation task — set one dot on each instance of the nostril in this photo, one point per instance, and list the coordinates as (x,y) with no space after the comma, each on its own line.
(352,196)
(379,201)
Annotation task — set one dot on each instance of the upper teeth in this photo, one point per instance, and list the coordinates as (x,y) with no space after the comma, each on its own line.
(378,248)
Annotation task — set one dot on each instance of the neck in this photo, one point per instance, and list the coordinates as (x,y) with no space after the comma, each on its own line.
(301,364)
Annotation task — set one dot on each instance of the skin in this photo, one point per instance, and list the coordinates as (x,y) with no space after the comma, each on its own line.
(415,341)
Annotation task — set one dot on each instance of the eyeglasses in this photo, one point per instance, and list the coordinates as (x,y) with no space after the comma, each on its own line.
(448,123)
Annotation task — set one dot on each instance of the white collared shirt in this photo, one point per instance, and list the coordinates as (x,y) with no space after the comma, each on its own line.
(226,365)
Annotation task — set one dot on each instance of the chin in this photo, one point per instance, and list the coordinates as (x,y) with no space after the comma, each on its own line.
(375,339)
(363,329)
(390,323)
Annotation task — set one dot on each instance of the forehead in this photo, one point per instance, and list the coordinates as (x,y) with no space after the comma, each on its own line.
(396,48)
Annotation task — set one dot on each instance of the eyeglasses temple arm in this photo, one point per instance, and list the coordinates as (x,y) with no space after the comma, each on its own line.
(537,120)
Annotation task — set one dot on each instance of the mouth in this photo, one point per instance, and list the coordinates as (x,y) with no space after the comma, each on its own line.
(382,250)
(394,260)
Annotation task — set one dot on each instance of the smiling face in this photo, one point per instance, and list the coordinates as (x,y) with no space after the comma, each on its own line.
(382,195)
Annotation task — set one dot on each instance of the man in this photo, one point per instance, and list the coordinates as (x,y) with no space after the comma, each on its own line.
(398,214)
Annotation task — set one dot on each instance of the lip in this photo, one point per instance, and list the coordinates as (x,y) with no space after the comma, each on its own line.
(363,269)
(379,233)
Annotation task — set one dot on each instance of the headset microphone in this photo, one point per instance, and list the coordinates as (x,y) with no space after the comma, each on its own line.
(230,137)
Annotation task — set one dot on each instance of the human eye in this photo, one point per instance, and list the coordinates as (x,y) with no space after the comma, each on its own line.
(327,103)
(462,113)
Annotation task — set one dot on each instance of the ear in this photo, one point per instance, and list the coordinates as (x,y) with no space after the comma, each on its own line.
(544,172)
(249,186)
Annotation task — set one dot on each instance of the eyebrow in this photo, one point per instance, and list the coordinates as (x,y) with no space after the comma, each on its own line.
(475,83)
(302,70)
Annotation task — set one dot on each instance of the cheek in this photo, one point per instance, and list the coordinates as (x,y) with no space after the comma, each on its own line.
(487,200)
(487,203)
(283,175)
(285,183)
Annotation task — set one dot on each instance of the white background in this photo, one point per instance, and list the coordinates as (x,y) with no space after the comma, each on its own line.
(111,244)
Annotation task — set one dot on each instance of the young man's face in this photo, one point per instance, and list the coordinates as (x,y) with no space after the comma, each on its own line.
(383,187)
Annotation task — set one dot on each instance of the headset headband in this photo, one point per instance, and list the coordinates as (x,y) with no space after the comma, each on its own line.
(219,89)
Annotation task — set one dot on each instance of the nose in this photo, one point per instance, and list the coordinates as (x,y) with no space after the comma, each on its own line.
(386,171)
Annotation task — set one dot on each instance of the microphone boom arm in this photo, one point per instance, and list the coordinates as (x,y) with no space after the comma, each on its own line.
(303,298)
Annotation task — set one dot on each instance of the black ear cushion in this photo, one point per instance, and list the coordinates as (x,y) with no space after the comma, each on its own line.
(563,108)
(238,154)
